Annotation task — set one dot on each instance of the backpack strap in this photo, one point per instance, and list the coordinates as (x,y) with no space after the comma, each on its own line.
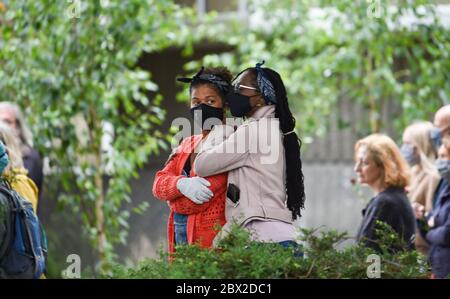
(17,209)
(10,218)
(26,226)
(20,210)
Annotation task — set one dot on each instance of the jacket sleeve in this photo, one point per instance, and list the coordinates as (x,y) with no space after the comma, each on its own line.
(185,206)
(433,183)
(165,183)
(223,151)
(441,234)
(380,212)
(366,233)
(33,163)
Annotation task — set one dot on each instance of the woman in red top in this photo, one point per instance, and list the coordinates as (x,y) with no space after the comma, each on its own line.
(197,205)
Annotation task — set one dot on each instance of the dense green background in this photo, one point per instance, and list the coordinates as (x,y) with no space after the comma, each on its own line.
(72,69)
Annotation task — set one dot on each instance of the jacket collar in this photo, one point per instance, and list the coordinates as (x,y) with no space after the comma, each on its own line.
(265,111)
(445,195)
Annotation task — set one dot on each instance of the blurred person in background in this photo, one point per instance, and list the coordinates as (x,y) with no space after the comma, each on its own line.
(381,166)
(441,128)
(435,226)
(11,114)
(15,172)
(418,151)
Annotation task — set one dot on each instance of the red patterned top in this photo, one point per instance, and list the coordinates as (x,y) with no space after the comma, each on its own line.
(202,219)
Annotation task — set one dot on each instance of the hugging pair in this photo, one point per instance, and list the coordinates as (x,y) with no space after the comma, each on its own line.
(208,184)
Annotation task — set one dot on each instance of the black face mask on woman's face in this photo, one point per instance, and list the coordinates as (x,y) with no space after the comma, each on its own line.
(239,104)
(207,116)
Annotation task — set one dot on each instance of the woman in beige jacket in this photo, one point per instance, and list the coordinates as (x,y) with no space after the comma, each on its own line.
(420,154)
(262,157)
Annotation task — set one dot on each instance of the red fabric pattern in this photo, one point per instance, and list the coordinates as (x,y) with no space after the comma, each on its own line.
(202,219)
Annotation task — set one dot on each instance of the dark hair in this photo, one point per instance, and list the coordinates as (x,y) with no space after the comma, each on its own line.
(295,187)
(221,72)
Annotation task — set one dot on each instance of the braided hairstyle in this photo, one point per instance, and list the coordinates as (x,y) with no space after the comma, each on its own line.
(295,187)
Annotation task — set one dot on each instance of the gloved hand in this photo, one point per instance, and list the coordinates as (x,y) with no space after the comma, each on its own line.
(196,189)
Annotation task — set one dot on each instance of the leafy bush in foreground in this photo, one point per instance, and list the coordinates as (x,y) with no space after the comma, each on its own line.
(238,257)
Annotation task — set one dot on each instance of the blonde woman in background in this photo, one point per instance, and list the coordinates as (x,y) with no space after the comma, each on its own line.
(420,154)
(380,165)
(15,173)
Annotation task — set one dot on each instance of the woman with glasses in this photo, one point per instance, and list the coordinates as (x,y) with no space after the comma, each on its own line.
(265,180)
(197,203)
(435,226)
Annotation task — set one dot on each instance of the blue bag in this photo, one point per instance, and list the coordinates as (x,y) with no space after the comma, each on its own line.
(23,244)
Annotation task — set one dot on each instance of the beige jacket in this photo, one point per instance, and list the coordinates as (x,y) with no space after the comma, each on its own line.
(421,190)
(254,158)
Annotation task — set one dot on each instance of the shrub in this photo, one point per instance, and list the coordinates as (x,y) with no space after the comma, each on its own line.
(238,257)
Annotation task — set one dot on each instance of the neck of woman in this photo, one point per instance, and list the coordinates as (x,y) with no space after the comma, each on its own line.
(205,133)
(378,186)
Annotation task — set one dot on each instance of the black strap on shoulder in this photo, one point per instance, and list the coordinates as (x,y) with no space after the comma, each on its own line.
(15,209)
(5,201)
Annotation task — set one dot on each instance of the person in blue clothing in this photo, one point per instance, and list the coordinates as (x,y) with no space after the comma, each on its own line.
(441,128)
(4,158)
(435,226)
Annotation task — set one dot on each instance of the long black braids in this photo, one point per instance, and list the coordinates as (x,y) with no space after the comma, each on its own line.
(295,187)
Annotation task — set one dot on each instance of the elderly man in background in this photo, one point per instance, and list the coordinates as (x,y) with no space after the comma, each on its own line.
(442,126)
(11,114)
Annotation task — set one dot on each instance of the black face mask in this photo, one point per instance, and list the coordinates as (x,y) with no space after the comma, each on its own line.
(239,104)
(207,116)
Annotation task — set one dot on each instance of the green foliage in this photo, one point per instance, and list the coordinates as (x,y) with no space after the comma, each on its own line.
(237,257)
(387,238)
(360,51)
(71,66)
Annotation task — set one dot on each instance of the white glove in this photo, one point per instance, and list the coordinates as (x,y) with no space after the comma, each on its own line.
(196,189)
